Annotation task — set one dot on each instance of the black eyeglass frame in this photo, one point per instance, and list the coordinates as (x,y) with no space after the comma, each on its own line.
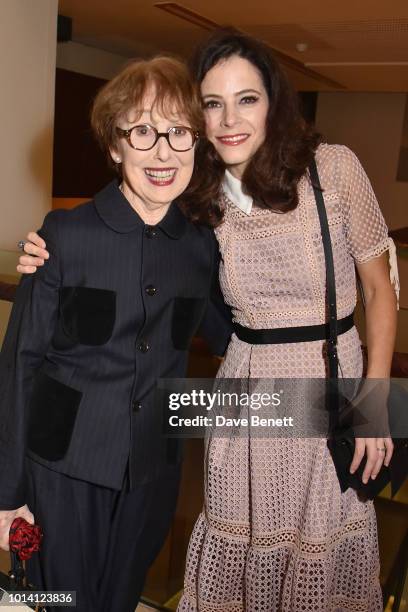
(127,134)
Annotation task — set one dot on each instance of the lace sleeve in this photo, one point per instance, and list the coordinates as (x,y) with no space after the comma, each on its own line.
(366,230)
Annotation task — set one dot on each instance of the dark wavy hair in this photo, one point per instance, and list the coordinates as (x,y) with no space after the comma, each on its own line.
(272,175)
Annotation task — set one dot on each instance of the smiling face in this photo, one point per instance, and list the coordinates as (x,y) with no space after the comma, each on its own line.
(152,179)
(235,107)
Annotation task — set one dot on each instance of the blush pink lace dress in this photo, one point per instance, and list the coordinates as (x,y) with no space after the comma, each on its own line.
(276,534)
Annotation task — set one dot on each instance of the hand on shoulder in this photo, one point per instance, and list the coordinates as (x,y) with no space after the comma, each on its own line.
(35,254)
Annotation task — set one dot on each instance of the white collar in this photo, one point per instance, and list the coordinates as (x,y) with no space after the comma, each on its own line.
(233,190)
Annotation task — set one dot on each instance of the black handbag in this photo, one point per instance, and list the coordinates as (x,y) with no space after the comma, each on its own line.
(341,441)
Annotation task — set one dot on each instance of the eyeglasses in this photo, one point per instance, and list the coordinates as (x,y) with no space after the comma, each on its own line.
(144,137)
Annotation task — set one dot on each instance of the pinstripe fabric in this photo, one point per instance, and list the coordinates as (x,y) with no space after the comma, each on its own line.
(104,244)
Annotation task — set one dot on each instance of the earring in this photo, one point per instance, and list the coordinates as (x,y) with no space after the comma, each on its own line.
(118,160)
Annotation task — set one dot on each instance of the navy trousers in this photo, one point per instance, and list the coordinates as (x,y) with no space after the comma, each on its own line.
(97,541)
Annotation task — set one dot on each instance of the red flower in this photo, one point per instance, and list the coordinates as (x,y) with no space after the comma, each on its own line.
(25,539)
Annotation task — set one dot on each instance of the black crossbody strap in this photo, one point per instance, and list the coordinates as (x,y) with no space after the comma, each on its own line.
(330,278)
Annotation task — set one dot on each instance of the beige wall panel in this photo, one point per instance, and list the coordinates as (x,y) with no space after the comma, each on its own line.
(371,125)
(375,78)
(28,33)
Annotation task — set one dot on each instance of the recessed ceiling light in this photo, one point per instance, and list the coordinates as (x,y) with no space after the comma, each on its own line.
(302,47)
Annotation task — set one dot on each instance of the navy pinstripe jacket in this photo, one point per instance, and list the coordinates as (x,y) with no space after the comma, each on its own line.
(113,309)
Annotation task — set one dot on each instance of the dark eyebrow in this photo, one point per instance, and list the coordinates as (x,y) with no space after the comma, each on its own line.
(211,96)
(238,93)
(244,91)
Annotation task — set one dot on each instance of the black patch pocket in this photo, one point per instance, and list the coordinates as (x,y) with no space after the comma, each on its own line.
(87,314)
(187,315)
(52,414)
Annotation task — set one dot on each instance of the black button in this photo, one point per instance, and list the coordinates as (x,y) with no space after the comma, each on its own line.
(143,346)
(150,290)
(150,232)
(136,406)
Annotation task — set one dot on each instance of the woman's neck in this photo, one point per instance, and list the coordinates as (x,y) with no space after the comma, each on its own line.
(237,171)
(150,214)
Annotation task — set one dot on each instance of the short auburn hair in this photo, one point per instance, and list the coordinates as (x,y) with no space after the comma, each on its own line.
(174,89)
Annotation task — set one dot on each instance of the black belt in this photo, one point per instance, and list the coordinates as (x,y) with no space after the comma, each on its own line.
(285,335)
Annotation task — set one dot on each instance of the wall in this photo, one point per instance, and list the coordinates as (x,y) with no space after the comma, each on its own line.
(88,60)
(80,167)
(371,124)
(28,32)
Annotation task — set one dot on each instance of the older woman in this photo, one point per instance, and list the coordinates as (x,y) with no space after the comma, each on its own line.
(113,310)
